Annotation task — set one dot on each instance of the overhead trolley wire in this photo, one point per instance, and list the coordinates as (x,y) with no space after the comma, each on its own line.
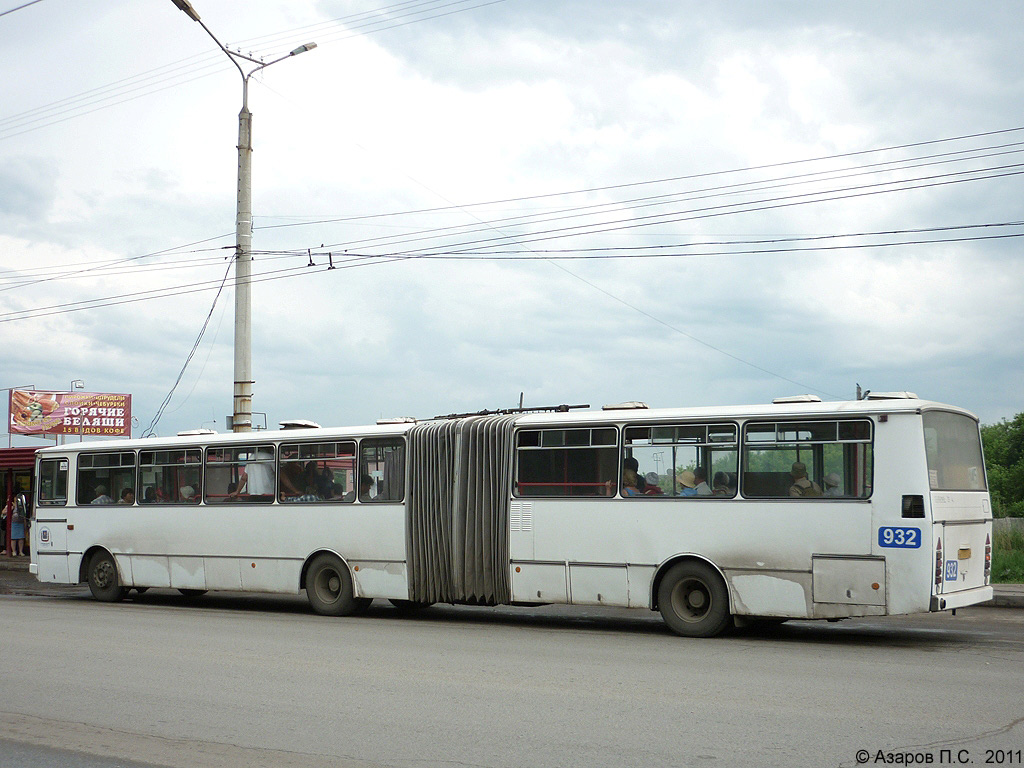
(688,177)
(725,209)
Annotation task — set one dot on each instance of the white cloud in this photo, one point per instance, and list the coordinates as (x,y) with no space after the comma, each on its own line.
(509,101)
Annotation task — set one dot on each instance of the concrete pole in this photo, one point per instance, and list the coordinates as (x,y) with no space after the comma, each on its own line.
(242,392)
(242,406)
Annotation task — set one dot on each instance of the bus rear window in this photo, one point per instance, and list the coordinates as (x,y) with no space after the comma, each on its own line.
(953,447)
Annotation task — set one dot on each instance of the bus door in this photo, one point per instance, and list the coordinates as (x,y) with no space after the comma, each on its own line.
(49,526)
(960,504)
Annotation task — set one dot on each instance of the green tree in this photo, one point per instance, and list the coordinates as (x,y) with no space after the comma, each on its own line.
(1004,463)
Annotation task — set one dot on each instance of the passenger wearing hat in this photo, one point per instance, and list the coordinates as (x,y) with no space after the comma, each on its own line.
(651,486)
(689,482)
(832,481)
(802,486)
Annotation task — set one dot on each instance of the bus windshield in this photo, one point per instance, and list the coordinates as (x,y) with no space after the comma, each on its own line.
(953,446)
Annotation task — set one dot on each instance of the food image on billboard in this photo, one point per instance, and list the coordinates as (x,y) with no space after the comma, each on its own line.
(33,412)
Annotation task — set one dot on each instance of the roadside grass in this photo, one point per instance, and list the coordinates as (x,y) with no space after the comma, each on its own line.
(1008,558)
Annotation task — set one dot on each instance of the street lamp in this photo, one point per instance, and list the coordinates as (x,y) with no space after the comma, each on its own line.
(78,384)
(242,411)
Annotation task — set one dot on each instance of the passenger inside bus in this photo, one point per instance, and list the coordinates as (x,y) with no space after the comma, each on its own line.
(630,483)
(365,487)
(292,481)
(127,496)
(651,486)
(700,477)
(101,496)
(802,486)
(631,463)
(688,480)
(832,482)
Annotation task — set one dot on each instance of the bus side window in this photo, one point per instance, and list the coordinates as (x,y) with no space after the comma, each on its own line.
(566,462)
(169,476)
(685,460)
(239,475)
(382,470)
(104,477)
(836,456)
(53,482)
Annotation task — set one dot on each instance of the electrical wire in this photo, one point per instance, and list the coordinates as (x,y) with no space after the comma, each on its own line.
(26,5)
(209,63)
(688,177)
(156,418)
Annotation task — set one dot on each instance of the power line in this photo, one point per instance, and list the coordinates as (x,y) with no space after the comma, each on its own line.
(209,63)
(26,5)
(688,177)
(156,419)
(692,214)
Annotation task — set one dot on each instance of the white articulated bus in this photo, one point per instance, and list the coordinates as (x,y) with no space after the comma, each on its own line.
(795,510)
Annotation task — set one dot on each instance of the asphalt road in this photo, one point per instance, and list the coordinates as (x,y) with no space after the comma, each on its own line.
(232,680)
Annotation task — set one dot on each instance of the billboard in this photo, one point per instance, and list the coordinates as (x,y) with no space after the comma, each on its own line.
(33,412)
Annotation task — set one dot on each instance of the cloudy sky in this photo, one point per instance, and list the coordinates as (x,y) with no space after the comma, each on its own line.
(581,201)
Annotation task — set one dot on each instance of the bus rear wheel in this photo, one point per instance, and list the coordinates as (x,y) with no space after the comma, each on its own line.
(329,586)
(693,600)
(104,582)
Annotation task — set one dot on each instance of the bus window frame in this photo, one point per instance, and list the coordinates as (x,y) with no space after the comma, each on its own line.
(281,461)
(99,452)
(708,445)
(40,502)
(615,445)
(745,446)
(201,465)
(394,441)
(255,448)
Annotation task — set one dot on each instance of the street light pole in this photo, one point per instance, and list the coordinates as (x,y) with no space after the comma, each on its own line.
(77,384)
(242,393)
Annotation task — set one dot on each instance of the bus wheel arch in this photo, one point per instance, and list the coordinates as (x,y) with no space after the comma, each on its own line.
(99,569)
(329,585)
(693,597)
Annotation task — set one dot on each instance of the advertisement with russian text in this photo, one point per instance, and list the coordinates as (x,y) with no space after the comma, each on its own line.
(69,413)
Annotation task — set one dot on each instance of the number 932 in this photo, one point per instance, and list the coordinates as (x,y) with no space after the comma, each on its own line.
(906,538)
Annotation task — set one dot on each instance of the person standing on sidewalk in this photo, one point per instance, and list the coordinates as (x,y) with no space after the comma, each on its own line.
(16,511)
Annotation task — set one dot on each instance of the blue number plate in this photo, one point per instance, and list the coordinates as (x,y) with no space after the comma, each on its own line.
(951,568)
(903,538)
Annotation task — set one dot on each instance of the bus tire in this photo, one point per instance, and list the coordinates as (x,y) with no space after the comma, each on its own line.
(329,586)
(104,582)
(693,600)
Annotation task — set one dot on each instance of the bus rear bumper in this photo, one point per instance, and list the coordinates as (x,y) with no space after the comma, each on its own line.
(961,599)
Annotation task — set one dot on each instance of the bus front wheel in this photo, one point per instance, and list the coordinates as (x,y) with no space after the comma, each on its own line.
(104,582)
(693,600)
(329,586)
